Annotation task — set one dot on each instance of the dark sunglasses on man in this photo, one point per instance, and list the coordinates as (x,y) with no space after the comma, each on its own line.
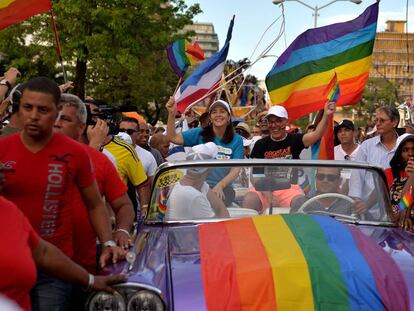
(329,177)
(128,131)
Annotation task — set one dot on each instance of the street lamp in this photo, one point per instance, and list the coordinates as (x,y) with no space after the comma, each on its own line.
(315,9)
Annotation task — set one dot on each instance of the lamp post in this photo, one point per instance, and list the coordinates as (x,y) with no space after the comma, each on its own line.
(315,9)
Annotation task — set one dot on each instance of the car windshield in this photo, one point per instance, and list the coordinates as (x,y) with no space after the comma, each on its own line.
(196,192)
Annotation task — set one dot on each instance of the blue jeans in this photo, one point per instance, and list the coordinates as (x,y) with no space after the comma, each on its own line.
(50,294)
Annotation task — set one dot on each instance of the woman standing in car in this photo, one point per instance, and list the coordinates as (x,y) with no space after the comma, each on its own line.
(220,131)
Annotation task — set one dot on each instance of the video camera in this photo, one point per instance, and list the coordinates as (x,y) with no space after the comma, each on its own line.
(106,112)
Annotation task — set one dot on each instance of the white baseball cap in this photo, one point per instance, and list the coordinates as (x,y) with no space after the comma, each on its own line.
(278,111)
(221,103)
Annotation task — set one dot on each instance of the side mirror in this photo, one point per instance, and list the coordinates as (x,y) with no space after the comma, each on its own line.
(272,184)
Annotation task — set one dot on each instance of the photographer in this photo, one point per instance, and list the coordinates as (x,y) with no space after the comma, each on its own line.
(128,164)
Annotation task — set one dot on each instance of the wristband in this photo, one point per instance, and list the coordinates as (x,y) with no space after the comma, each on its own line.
(124,231)
(91,282)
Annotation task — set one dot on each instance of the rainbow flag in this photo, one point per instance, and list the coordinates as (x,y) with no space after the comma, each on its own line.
(14,11)
(323,149)
(298,79)
(296,262)
(182,54)
(332,90)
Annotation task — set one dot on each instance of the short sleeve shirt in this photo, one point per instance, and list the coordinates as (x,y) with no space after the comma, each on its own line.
(288,148)
(128,164)
(17,268)
(42,184)
(111,186)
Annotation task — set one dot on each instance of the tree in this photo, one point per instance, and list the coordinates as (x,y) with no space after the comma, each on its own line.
(114,50)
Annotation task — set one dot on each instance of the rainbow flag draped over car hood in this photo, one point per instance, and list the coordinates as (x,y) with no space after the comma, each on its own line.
(300,75)
(296,262)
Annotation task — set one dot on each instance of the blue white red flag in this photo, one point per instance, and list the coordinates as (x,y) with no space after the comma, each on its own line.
(204,79)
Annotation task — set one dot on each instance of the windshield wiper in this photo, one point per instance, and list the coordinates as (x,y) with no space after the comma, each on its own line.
(354,219)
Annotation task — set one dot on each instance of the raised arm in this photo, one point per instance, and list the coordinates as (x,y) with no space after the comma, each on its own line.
(172,135)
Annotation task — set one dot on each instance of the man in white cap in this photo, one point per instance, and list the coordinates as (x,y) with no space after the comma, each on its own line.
(280,143)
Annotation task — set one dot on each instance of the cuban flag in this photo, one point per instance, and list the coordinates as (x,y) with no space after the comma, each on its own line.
(205,78)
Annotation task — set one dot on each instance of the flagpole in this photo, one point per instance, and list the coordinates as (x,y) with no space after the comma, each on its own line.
(178,85)
(57,45)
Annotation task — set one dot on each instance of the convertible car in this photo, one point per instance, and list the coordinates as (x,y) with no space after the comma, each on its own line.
(290,238)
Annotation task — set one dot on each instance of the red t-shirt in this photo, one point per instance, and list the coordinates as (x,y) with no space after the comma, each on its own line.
(17,268)
(111,186)
(41,184)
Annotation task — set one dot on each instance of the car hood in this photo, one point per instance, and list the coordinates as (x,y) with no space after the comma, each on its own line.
(169,260)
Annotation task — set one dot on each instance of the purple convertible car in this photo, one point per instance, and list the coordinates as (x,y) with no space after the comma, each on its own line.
(288,239)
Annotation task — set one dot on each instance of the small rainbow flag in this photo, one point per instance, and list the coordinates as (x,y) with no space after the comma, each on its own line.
(305,68)
(297,262)
(182,54)
(332,90)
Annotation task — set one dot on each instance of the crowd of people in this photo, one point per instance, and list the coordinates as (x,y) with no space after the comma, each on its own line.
(57,164)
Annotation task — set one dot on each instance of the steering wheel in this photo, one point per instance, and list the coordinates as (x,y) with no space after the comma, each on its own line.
(335,195)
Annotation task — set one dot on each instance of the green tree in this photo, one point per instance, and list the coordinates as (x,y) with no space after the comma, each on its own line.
(113,50)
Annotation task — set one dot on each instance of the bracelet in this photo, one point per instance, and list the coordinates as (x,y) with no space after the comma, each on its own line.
(91,282)
(124,231)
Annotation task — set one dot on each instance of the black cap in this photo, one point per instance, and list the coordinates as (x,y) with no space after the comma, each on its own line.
(346,123)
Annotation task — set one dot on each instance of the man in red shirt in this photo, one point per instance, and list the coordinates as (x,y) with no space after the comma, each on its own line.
(43,170)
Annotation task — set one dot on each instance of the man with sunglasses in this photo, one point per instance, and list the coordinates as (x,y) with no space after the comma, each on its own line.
(132,128)
(327,180)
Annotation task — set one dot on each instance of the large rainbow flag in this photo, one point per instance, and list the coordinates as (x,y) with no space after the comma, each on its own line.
(296,262)
(303,71)
(14,11)
(182,54)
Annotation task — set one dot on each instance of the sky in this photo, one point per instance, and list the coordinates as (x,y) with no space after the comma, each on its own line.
(253,17)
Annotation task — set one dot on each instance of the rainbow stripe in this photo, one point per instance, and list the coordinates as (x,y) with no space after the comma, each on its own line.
(323,149)
(296,262)
(181,54)
(407,200)
(14,11)
(298,79)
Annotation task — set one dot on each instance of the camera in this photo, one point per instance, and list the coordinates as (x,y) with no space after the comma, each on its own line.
(106,112)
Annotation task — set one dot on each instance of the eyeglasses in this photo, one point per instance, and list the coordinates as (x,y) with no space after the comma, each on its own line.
(328,177)
(347,157)
(128,131)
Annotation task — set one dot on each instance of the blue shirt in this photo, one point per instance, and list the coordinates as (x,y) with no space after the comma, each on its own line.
(231,150)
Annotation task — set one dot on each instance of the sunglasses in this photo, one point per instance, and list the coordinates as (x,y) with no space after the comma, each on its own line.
(347,157)
(128,131)
(328,177)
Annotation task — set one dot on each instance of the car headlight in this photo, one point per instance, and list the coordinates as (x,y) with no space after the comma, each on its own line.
(103,301)
(145,301)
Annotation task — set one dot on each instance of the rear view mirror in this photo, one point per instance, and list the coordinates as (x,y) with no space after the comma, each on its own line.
(272,184)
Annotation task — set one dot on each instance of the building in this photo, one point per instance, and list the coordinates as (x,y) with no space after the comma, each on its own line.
(206,37)
(393,58)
